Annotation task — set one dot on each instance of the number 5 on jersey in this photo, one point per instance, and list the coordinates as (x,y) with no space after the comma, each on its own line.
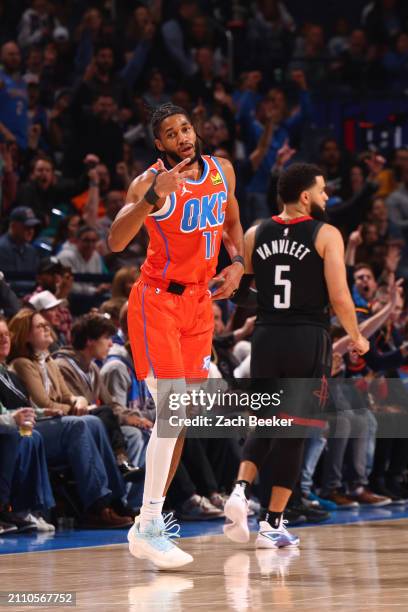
(278,300)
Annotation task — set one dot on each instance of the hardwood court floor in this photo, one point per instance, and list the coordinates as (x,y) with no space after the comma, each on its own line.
(339,567)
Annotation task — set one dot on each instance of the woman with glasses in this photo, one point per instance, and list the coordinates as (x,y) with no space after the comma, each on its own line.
(79,442)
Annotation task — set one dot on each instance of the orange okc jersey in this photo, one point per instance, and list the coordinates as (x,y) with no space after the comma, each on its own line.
(185,234)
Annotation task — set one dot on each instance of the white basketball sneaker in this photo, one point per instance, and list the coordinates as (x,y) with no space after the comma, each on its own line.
(279,537)
(155,544)
(236,511)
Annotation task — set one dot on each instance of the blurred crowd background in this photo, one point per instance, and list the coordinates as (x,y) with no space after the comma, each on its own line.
(266,83)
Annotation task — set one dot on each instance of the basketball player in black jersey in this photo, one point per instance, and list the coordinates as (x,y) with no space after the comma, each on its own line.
(297,261)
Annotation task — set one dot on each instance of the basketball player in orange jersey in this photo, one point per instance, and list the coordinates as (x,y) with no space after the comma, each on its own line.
(185,200)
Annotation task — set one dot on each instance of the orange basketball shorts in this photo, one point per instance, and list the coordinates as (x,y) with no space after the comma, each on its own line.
(170,335)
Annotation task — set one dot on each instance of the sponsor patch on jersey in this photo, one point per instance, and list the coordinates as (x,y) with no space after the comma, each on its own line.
(216,177)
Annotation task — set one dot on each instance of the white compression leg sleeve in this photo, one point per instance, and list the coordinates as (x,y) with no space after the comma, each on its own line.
(159,451)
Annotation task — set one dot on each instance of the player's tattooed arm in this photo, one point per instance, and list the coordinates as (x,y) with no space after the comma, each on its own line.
(229,278)
(146,193)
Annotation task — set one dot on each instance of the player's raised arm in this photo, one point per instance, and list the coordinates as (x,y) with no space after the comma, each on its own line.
(233,238)
(329,244)
(146,193)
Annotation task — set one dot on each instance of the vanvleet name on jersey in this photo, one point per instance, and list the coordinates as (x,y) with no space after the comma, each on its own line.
(283,246)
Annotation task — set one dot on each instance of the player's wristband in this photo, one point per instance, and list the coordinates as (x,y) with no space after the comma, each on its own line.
(239,259)
(151,196)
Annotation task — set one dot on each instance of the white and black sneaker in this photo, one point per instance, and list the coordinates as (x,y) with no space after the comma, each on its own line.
(275,537)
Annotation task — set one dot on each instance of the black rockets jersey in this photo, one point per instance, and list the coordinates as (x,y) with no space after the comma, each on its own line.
(289,273)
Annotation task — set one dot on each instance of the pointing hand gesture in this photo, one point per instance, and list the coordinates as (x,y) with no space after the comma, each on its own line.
(168,181)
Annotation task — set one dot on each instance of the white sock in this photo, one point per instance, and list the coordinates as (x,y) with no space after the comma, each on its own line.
(150,510)
(159,454)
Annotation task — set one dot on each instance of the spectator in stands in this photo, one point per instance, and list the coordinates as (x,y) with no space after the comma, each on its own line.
(98,79)
(9,302)
(155,93)
(231,348)
(8,177)
(99,186)
(384,19)
(44,191)
(311,56)
(123,281)
(17,254)
(269,36)
(397,203)
(36,24)
(83,258)
(100,133)
(112,308)
(333,162)
(13,94)
(67,230)
(175,33)
(91,340)
(77,441)
(24,482)
(45,303)
(395,63)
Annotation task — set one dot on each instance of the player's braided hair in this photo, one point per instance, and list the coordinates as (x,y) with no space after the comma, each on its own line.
(160,113)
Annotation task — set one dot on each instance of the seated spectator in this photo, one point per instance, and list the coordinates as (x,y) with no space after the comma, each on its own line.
(54,277)
(349,430)
(111,308)
(17,254)
(231,349)
(24,482)
(119,376)
(9,302)
(65,236)
(123,281)
(91,340)
(83,258)
(79,442)
(48,306)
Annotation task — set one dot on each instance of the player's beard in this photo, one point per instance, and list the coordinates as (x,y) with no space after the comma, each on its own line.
(177,159)
(318,213)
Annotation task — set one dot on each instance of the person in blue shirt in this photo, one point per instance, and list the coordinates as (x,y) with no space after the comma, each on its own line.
(17,254)
(13,94)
